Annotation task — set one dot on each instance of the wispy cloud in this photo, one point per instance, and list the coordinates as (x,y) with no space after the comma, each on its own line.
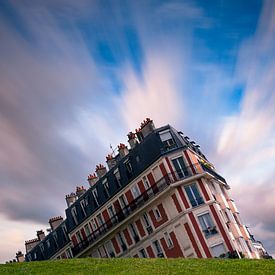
(246,146)
(77,77)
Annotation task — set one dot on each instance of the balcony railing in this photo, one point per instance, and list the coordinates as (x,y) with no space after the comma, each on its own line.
(141,200)
(212,172)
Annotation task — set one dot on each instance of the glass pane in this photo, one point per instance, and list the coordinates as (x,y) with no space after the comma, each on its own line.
(190,196)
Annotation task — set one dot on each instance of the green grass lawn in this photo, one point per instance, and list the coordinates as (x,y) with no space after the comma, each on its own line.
(142,266)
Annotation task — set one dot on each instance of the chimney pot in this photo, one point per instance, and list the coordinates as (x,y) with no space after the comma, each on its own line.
(92,179)
(123,150)
(55,222)
(100,170)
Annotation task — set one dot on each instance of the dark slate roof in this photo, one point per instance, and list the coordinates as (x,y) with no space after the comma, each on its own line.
(141,157)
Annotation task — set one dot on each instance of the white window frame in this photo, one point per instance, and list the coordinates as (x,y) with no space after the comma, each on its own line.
(95,195)
(135,191)
(157,213)
(146,182)
(74,215)
(83,204)
(168,240)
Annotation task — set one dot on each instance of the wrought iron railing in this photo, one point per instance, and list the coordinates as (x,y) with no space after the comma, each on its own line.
(138,202)
(212,172)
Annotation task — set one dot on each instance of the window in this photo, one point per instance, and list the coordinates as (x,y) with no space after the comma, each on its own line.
(102,252)
(48,243)
(87,230)
(167,140)
(193,195)
(157,213)
(110,249)
(65,233)
(94,224)
(123,204)
(55,238)
(95,254)
(180,167)
(133,232)
(168,240)
(100,220)
(218,250)
(95,197)
(146,183)
(142,253)
(74,215)
(112,213)
(83,204)
(35,255)
(106,188)
(117,178)
(41,247)
(69,253)
(147,223)
(129,170)
(135,191)
(158,249)
(78,237)
(122,241)
(207,225)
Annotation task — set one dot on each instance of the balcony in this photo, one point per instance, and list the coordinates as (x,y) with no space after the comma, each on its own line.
(212,172)
(140,201)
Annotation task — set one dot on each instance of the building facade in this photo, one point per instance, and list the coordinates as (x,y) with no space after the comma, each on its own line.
(160,198)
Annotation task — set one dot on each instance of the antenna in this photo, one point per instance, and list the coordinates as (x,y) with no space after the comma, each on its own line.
(113,151)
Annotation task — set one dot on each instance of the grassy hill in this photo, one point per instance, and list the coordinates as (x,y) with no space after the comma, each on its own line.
(142,266)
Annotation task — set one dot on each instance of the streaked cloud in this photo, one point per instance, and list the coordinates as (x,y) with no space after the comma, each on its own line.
(76,78)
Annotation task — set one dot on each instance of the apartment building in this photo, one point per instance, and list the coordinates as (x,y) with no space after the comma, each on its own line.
(159,198)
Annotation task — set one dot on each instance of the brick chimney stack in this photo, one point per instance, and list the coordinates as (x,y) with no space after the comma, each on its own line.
(55,222)
(111,161)
(147,127)
(123,150)
(132,140)
(80,190)
(100,170)
(70,199)
(19,257)
(31,244)
(92,179)
(40,235)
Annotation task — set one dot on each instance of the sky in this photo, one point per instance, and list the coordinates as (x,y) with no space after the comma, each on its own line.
(77,76)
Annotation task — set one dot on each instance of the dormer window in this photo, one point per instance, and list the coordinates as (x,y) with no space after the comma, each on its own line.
(129,169)
(117,177)
(106,188)
(74,215)
(167,140)
(83,204)
(41,247)
(95,197)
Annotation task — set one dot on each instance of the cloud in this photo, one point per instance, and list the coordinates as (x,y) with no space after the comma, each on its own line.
(156,94)
(246,147)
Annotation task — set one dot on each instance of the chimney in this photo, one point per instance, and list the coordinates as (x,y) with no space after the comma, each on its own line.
(132,140)
(147,127)
(92,179)
(111,161)
(19,257)
(80,191)
(100,170)
(123,150)
(55,222)
(29,245)
(70,199)
(40,235)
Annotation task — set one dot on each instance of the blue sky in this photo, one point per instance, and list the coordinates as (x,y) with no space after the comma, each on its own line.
(78,76)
